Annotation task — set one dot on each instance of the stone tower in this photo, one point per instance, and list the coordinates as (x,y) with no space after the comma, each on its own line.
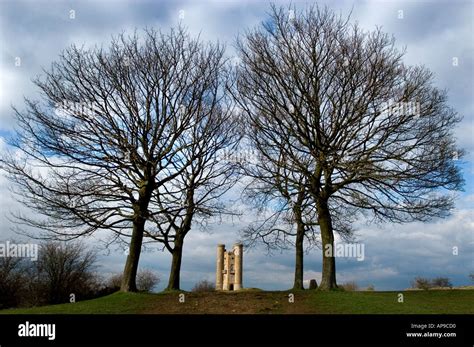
(229,268)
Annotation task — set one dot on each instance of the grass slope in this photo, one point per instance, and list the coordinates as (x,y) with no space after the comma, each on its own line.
(117,303)
(263,302)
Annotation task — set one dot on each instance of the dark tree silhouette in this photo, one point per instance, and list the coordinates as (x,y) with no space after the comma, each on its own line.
(364,129)
(63,269)
(110,131)
(286,216)
(194,196)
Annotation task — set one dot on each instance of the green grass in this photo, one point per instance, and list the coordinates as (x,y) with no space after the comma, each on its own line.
(415,302)
(116,303)
(313,302)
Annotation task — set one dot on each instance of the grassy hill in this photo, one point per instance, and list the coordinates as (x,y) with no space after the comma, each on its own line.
(264,302)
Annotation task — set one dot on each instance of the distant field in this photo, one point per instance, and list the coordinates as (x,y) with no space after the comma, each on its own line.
(265,302)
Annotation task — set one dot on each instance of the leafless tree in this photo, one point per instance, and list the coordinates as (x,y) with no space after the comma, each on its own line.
(110,130)
(287,213)
(204,286)
(441,282)
(194,196)
(63,269)
(13,282)
(285,218)
(365,130)
(146,280)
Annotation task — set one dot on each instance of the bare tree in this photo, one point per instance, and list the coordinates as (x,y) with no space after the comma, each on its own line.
(59,271)
(365,130)
(441,282)
(421,283)
(13,282)
(287,213)
(108,133)
(194,196)
(286,218)
(204,286)
(63,269)
(146,280)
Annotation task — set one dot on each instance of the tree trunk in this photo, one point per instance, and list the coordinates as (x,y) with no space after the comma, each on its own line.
(298,283)
(177,254)
(141,215)
(328,280)
(131,265)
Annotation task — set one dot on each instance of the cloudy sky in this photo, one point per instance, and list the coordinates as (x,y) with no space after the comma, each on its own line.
(435,33)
